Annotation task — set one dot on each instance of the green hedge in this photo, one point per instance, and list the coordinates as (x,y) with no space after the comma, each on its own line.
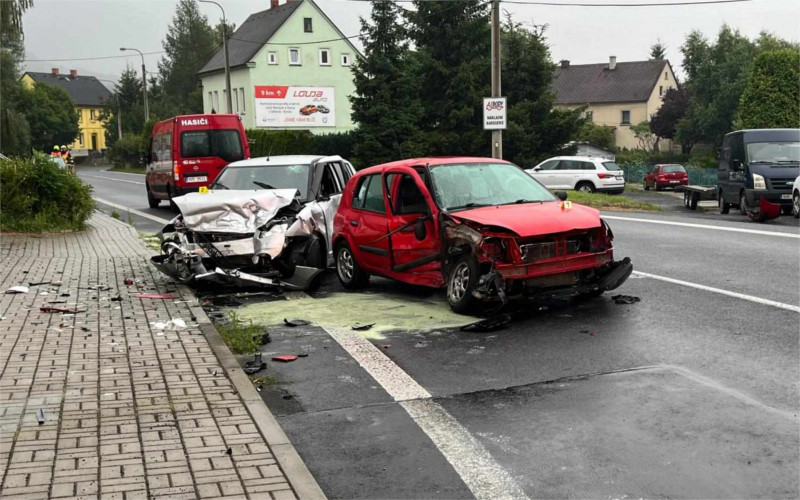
(287,142)
(126,151)
(38,195)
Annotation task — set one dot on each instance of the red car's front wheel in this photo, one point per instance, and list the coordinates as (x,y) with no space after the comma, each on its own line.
(350,274)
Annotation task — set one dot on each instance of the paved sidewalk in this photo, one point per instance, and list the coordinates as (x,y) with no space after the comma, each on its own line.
(130,411)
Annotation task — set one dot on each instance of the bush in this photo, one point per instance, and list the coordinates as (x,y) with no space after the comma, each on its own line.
(772,96)
(39,196)
(126,151)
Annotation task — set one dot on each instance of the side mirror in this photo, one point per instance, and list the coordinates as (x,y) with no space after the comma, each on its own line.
(420,229)
(561,195)
(536,169)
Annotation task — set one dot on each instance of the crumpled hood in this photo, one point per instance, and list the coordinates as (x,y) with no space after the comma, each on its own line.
(533,219)
(232,211)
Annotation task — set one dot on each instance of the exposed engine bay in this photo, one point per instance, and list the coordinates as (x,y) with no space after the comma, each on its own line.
(248,238)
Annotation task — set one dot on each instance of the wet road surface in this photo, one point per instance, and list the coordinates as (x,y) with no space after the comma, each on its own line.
(690,393)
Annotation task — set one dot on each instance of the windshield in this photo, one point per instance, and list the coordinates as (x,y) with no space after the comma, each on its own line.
(672,168)
(773,152)
(464,186)
(225,144)
(610,165)
(265,177)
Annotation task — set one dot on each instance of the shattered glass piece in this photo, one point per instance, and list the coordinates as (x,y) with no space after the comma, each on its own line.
(18,289)
(625,299)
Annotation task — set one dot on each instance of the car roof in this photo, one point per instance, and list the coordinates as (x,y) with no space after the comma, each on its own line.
(431,160)
(585,158)
(273,161)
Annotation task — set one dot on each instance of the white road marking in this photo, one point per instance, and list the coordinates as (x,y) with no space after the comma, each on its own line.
(485,478)
(123,173)
(112,179)
(703,226)
(751,298)
(133,211)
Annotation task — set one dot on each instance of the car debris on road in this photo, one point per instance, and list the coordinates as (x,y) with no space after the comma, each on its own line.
(266,222)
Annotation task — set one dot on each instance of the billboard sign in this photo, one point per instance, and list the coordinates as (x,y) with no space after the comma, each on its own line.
(494,113)
(282,106)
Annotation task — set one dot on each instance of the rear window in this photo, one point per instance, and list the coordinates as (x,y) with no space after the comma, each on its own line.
(225,144)
(610,165)
(673,168)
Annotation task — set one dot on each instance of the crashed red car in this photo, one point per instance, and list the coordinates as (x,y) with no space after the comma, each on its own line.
(480,227)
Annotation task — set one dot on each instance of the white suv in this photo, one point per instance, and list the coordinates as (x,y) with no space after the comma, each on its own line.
(581,173)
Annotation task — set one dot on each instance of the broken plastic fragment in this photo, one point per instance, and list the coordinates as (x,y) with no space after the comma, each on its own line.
(252,367)
(40,416)
(128,281)
(295,322)
(625,299)
(17,289)
(59,309)
(488,325)
(285,358)
(359,327)
(155,296)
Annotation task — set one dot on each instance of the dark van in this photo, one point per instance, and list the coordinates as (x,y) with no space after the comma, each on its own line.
(189,151)
(756,163)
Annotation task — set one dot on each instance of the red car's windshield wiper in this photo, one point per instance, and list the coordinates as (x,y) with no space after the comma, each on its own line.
(468,205)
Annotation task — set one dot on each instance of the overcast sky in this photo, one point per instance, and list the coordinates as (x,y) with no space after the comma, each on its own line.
(74,29)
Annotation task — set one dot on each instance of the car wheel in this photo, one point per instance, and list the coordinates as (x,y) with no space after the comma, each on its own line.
(655,186)
(350,274)
(724,208)
(170,195)
(743,203)
(585,187)
(461,282)
(692,202)
(645,185)
(796,205)
(152,202)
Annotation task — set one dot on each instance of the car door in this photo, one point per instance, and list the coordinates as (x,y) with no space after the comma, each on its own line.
(566,174)
(369,225)
(415,257)
(544,174)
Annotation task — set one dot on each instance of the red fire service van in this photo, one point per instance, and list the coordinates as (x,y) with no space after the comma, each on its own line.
(189,151)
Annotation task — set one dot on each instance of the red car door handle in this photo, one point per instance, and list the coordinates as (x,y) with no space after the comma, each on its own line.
(354,223)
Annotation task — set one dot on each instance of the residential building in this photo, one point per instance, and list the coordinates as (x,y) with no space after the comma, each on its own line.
(616,94)
(89,95)
(290,69)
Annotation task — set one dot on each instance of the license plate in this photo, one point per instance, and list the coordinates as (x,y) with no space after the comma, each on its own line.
(673,182)
(201,178)
(786,197)
(619,178)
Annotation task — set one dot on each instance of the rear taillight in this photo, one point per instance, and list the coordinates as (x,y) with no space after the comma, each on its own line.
(176,172)
(605,176)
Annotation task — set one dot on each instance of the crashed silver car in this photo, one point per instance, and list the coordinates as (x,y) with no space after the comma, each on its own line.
(264,222)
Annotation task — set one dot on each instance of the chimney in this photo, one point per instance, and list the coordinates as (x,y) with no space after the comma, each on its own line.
(54,71)
(273,4)
(612,62)
(73,73)
(564,63)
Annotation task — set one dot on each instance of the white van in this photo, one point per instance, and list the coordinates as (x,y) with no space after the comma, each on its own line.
(581,173)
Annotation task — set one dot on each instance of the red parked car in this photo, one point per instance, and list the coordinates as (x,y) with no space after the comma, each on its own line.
(189,151)
(480,227)
(663,176)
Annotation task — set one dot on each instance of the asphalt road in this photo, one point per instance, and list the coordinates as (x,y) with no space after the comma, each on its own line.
(693,392)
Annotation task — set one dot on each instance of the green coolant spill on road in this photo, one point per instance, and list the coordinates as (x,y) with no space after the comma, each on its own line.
(346,309)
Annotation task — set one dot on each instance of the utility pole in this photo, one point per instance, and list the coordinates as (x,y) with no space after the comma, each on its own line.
(144,83)
(225,49)
(497,135)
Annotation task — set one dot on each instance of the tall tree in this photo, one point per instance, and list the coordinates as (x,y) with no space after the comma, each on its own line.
(535,129)
(386,104)
(772,96)
(189,43)
(664,123)
(658,51)
(452,43)
(128,100)
(14,129)
(52,116)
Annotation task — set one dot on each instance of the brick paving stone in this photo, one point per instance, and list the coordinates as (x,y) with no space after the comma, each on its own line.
(130,412)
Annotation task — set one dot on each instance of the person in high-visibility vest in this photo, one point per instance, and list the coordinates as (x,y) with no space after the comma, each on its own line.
(67,157)
(56,151)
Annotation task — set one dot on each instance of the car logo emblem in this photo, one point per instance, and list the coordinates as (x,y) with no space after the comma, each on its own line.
(196,168)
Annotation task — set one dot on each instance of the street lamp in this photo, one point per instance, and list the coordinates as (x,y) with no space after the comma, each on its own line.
(225,48)
(144,83)
(119,110)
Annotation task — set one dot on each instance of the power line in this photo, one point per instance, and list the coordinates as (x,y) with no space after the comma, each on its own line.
(573,4)
(91,58)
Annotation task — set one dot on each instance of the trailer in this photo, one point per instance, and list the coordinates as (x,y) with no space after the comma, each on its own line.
(692,195)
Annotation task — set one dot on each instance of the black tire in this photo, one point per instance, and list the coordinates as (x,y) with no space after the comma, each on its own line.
(796,205)
(724,207)
(693,202)
(350,274)
(461,282)
(152,202)
(585,187)
(655,186)
(645,185)
(742,203)
(686,199)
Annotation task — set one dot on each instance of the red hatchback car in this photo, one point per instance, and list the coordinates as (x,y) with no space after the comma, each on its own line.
(480,227)
(663,176)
